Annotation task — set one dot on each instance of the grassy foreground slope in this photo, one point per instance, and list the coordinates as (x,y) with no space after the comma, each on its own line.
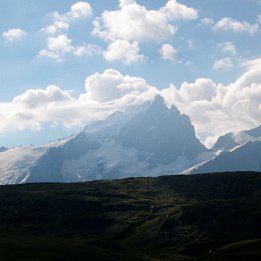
(164,218)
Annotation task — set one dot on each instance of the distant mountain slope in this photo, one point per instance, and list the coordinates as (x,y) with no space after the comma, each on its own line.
(162,218)
(256,132)
(15,162)
(149,140)
(231,140)
(2,149)
(243,158)
(239,151)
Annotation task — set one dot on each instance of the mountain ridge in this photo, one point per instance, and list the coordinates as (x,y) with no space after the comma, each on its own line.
(245,157)
(146,141)
(239,151)
(151,139)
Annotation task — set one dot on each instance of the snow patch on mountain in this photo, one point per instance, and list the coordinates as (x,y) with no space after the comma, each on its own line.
(15,162)
(246,157)
(232,140)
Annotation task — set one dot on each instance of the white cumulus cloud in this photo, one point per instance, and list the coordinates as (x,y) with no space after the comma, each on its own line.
(168,52)
(133,22)
(106,93)
(80,10)
(207,21)
(176,11)
(227,47)
(57,47)
(112,85)
(61,22)
(61,45)
(223,64)
(14,34)
(123,50)
(34,98)
(216,109)
(56,27)
(228,24)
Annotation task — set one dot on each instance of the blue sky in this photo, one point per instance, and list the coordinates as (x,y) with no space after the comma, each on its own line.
(59,43)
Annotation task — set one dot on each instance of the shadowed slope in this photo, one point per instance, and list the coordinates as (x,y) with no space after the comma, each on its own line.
(162,218)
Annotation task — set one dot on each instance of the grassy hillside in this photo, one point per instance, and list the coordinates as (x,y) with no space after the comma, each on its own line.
(165,218)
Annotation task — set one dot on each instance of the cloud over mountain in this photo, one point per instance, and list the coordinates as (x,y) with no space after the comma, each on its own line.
(216,109)
(105,93)
(213,108)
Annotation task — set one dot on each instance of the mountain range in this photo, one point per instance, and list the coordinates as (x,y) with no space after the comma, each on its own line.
(234,152)
(148,140)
